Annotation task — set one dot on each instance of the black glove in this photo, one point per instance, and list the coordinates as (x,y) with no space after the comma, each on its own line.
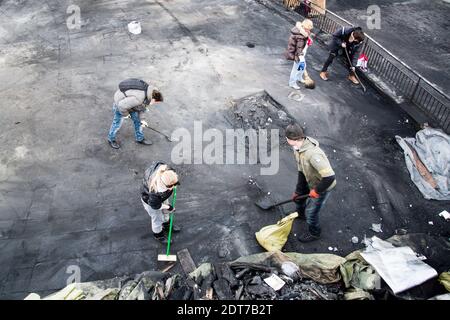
(170,208)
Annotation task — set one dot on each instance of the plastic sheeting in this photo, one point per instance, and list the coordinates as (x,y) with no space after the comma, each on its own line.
(399,267)
(320,267)
(427,158)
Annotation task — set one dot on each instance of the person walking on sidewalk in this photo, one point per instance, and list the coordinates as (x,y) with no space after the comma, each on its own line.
(315,177)
(132,98)
(344,38)
(157,187)
(297,45)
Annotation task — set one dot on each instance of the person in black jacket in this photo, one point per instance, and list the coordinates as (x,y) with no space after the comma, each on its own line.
(157,187)
(344,38)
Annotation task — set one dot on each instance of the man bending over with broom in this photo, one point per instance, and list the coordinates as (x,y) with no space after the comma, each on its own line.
(345,39)
(157,187)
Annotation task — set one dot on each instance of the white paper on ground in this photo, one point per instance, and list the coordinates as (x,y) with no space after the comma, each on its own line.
(134,27)
(399,267)
(445,214)
(274,282)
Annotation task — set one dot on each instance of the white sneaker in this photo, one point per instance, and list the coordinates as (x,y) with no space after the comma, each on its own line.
(295,86)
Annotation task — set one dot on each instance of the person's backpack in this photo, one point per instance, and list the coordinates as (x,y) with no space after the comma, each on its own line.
(134,84)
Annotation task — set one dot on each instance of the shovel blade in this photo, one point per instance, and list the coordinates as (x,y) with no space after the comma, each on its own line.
(265,203)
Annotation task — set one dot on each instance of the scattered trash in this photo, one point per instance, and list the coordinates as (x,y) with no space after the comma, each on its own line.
(282,115)
(330,248)
(335,249)
(275,282)
(431,223)
(355,240)
(445,214)
(334,151)
(373,208)
(376,227)
(290,269)
(410,205)
(134,27)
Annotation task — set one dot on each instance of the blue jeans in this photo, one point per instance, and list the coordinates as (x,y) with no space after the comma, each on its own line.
(312,210)
(296,75)
(117,123)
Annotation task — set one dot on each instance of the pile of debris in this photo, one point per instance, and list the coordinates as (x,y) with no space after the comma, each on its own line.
(259,111)
(243,280)
(289,276)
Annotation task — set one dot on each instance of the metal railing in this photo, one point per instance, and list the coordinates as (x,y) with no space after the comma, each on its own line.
(404,81)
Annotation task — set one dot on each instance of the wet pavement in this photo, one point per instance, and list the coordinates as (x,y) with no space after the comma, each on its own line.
(68,199)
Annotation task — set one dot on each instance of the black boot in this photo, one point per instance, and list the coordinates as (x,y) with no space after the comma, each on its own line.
(145,142)
(308,236)
(161,237)
(166,227)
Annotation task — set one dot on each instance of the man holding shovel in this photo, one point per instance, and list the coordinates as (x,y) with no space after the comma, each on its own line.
(315,177)
(132,98)
(344,39)
(157,187)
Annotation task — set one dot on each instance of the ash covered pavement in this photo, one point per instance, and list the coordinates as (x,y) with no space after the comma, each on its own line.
(69,199)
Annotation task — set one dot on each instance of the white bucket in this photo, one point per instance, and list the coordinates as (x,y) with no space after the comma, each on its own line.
(134,27)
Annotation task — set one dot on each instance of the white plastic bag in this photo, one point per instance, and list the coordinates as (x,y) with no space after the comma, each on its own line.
(134,27)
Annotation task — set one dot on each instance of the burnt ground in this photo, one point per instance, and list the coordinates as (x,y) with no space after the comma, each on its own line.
(68,199)
(415,31)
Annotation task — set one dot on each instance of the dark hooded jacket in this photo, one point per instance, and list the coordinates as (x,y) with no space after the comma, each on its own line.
(297,42)
(341,35)
(153,199)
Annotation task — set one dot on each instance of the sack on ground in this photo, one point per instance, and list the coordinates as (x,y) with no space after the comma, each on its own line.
(274,237)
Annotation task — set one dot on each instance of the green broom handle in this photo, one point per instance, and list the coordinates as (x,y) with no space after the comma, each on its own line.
(174,199)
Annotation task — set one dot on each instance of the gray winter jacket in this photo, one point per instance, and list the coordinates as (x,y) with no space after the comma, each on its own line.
(132,101)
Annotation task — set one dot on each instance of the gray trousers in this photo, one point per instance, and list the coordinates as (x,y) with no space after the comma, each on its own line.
(158,216)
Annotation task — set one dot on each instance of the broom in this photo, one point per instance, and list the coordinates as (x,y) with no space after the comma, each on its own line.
(354,72)
(167,257)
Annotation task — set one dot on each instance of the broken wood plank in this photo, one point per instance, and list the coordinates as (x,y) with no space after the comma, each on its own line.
(170,266)
(252,266)
(239,292)
(316,293)
(186,261)
(222,289)
(242,272)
